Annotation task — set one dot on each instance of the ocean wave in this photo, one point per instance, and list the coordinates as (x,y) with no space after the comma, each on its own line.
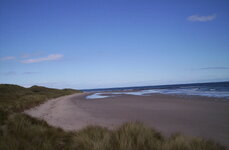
(195,92)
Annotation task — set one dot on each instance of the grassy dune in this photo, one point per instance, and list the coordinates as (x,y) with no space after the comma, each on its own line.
(21,132)
(15,98)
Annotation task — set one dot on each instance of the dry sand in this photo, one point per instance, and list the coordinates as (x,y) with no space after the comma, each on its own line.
(191,115)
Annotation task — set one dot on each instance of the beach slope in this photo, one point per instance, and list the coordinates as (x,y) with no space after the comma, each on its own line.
(191,115)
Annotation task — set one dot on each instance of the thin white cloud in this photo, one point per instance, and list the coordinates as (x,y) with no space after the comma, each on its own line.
(26,55)
(197,18)
(29,73)
(9,73)
(41,59)
(7,58)
(214,68)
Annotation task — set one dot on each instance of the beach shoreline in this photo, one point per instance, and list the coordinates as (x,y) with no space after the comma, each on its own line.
(192,115)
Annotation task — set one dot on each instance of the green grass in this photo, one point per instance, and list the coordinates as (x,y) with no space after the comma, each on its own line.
(21,132)
(16,98)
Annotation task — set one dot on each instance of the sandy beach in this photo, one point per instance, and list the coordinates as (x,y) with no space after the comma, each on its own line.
(191,115)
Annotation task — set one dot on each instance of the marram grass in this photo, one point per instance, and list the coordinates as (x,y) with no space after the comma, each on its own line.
(22,132)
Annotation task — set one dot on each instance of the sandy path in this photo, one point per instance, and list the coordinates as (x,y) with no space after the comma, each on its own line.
(196,116)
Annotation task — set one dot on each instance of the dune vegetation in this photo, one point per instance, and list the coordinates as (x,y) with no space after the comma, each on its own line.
(19,131)
(14,98)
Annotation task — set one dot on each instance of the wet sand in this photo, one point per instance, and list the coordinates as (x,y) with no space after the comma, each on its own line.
(191,115)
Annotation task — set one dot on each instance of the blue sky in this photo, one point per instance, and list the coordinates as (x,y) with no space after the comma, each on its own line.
(113,43)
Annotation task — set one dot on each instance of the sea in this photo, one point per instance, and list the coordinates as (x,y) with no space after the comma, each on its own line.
(216,89)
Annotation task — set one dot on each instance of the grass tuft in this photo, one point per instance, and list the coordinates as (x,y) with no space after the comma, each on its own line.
(92,137)
(135,135)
